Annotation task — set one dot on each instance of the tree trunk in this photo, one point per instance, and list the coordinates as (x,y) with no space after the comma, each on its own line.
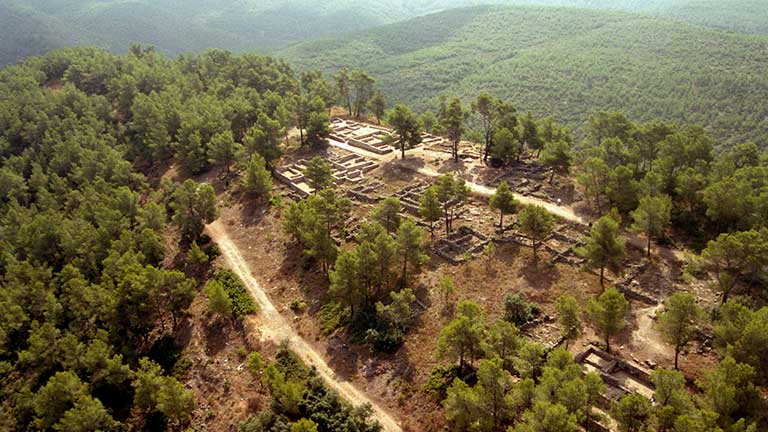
(552,177)
(602,277)
(301,136)
(607,343)
(456,151)
(501,222)
(405,269)
(677,354)
(649,245)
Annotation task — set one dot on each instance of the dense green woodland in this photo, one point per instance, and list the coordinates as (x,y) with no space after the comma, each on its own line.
(566,64)
(89,301)
(174,26)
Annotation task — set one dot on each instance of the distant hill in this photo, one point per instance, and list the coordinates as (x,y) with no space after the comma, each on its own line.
(267,25)
(747,16)
(24,33)
(565,63)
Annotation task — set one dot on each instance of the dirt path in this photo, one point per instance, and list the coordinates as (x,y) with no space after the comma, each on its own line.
(276,328)
(646,338)
(560,211)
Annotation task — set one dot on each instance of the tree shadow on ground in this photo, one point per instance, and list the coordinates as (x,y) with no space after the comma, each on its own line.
(216,336)
(183,332)
(254,209)
(539,274)
(451,167)
(342,357)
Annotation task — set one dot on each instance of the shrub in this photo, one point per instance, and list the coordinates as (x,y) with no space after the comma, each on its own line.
(298,305)
(242,302)
(440,379)
(518,311)
(384,340)
(332,316)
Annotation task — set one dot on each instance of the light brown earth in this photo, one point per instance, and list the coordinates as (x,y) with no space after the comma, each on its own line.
(274,327)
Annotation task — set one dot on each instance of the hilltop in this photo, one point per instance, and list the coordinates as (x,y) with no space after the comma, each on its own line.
(565,63)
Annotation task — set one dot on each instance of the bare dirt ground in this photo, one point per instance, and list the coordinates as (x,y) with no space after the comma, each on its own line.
(273,326)
(213,356)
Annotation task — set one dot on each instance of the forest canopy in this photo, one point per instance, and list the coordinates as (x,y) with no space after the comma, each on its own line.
(87,293)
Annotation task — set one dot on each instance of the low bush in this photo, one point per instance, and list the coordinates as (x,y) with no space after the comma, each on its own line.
(242,302)
(518,311)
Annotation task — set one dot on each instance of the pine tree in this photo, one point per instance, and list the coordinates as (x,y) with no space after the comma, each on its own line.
(318,129)
(343,88)
(319,174)
(407,127)
(633,413)
(257,179)
(570,323)
(652,217)
(537,223)
(222,150)
(175,402)
(430,209)
(608,314)
(461,406)
(493,385)
(678,321)
(506,146)
(485,106)
(378,105)
(194,206)
(264,138)
(219,302)
(452,122)
(462,339)
(604,247)
(504,201)
(387,213)
(346,281)
(557,156)
(451,192)
(409,245)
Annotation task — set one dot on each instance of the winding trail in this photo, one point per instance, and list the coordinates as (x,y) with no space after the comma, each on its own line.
(276,328)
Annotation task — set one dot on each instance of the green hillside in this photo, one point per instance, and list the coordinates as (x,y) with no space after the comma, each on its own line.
(566,63)
(267,25)
(748,16)
(25,33)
